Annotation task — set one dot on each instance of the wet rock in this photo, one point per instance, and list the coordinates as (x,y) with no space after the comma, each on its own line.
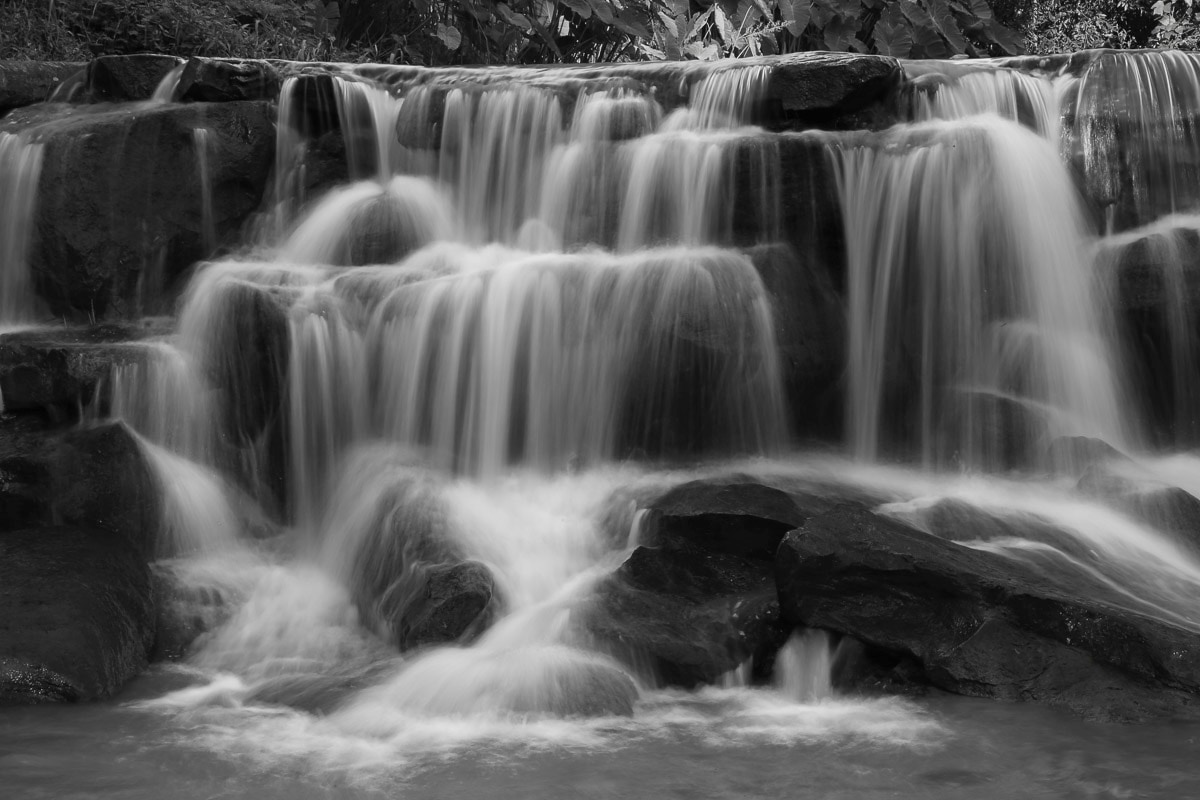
(99,477)
(411,582)
(95,477)
(983,625)
(24,83)
(119,79)
(835,90)
(184,611)
(697,598)
(120,213)
(1076,454)
(79,615)
(59,369)
(214,80)
(679,615)
(454,604)
(1167,508)
(810,332)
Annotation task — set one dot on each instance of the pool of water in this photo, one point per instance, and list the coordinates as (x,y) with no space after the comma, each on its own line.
(718,743)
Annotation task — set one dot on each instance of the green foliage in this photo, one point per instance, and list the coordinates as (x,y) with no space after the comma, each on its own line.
(438,32)
(80,29)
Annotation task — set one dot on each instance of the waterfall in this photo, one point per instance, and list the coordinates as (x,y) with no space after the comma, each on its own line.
(804,667)
(20,167)
(976,331)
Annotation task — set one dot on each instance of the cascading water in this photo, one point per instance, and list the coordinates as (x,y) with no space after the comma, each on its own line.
(976,332)
(433,373)
(20,166)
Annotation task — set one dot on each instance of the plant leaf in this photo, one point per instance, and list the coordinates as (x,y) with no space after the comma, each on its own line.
(946,25)
(580,7)
(449,36)
(796,15)
(893,36)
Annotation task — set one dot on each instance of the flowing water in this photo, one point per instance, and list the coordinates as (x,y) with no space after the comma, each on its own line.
(536,301)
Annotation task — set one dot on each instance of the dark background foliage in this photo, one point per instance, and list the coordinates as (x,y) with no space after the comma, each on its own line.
(438,32)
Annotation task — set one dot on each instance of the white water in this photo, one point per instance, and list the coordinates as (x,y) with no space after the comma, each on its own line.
(20,167)
(977,280)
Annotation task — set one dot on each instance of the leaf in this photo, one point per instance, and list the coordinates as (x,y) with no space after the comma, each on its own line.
(724,26)
(628,22)
(838,34)
(512,17)
(926,41)
(796,14)
(449,36)
(580,7)
(893,36)
(604,11)
(946,25)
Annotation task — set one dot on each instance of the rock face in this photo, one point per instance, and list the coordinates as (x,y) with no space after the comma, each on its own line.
(983,625)
(837,91)
(213,80)
(58,369)
(698,599)
(79,615)
(119,79)
(120,210)
(454,601)
(23,83)
(93,477)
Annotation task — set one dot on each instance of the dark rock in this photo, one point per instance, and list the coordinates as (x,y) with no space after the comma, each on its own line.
(455,603)
(60,369)
(734,515)
(983,625)
(810,332)
(24,83)
(212,80)
(411,582)
(119,79)
(79,615)
(683,616)
(835,90)
(120,213)
(697,599)
(95,477)
(99,478)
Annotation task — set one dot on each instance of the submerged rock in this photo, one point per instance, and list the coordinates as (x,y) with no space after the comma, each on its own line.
(984,625)
(78,616)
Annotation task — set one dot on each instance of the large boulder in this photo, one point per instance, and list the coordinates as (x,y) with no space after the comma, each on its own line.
(697,599)
(119,79)
(411,581)
(121,207)
(985,625)
(219,80)
(78,616)
(835,91)
(23,83)
(59,369)
(95,477)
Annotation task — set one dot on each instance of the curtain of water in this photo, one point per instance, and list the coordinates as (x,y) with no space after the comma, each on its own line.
(975,326)
(20,167)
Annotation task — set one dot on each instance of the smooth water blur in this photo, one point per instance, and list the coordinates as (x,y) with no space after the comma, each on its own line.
(20,167)
(976,330)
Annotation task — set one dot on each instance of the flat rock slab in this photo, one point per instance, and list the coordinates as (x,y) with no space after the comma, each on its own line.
(78,617)
(23,83)
(985,625)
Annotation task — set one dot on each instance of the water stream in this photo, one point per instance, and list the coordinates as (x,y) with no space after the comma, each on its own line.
(536,300)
